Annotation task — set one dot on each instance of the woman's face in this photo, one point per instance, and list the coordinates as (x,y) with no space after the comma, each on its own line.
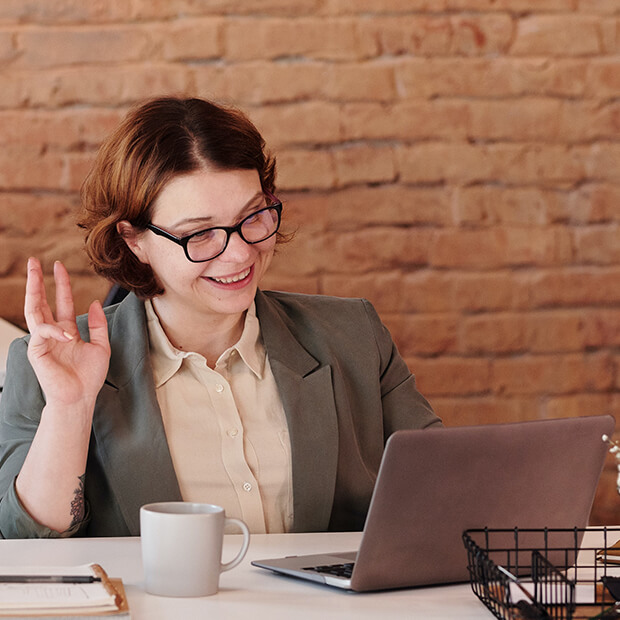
(190,203)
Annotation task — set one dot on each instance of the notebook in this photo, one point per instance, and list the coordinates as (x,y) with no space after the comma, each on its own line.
(434,484)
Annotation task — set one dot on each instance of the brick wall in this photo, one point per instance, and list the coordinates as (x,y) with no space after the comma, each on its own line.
(457,162)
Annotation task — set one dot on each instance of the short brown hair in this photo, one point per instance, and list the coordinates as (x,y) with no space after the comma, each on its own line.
(156,142)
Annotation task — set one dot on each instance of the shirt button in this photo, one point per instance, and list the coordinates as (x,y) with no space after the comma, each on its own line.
(219,388)
(247,487)
(233,432)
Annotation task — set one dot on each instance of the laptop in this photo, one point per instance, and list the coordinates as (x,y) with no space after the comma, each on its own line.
(434,484)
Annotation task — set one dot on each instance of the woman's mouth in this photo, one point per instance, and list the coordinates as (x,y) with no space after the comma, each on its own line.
(238,277)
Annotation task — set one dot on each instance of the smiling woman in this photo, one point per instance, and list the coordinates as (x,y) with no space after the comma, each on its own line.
(198,386)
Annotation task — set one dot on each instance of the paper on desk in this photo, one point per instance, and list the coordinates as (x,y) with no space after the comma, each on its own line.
(584,594)
(611,554)
(57,597)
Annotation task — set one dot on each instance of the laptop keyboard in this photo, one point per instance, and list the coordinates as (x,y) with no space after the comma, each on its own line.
(337,570)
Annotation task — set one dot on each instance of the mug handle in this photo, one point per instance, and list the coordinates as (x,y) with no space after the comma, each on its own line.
(244,547)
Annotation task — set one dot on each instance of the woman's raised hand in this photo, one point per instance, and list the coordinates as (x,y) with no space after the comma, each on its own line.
(69,369)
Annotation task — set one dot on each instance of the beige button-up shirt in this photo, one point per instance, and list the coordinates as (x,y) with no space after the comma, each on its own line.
(226,427)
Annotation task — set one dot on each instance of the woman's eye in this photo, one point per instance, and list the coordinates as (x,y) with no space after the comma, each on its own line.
(202,235)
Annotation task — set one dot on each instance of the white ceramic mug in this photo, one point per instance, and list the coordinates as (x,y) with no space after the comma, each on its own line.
(182,547)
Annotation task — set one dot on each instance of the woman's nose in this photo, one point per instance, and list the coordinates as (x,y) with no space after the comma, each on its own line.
(237,249)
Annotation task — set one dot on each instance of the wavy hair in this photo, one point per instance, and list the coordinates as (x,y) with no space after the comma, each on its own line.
(157,141)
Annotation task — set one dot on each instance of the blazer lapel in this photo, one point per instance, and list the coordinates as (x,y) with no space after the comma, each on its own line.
(307,395)
(127,424)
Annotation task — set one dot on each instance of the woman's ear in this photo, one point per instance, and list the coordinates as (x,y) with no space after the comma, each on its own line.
(132,238)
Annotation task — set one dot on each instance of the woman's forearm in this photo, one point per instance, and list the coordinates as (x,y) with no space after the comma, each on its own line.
(50,485)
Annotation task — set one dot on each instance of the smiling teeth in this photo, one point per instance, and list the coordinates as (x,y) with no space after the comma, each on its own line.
(240,276)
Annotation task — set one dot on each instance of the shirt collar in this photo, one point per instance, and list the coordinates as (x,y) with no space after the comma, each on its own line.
(166,359)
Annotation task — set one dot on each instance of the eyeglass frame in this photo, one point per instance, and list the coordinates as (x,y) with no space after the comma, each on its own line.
(229,230)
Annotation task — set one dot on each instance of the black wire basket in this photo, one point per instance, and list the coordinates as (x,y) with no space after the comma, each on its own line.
(557,574)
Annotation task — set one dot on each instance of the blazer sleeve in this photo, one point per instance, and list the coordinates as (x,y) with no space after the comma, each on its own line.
(403,405)
(20,412)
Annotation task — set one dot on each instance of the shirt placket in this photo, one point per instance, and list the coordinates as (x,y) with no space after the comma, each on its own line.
(233,453)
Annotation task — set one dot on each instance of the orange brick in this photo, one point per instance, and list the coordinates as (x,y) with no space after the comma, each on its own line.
(51,214)
(378,249)
(577,286)
(51,47)
(484,77)
(75,168)
(499,247)
(368,81)
(555,331)
(272,82)
(552,374)
(435,334)
(488,205)
(382,289)
(604,7)
(577,405)
(389,204)
(566,35)
(304,257)
(417,119)
(363,7)
(62,11)
(302,169)
(490,291)
(597,244)
(582,121)
(26,168)
(475,410)
(516,120)
(64,87)
(600,161)
(310,37)
(59,127)
(198,38)
(274,281)
(428,290)
(160,9)
(294,124)
(7,46)
(533,6)
(512,163)
(364,164)
(12,290)
(305,212)
(603,77)
(413,34)
(451,376)
(601,327)
(481,34)
(493,333)
(590,203)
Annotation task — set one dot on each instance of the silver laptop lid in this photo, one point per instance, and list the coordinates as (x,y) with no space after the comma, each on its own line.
(434,484)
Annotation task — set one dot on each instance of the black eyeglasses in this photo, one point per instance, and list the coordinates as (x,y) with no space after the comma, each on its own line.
(209,243)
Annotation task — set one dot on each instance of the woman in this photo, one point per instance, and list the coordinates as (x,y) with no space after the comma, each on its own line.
(197,386)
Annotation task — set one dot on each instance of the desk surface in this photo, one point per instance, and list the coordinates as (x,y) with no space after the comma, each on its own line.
(250,592)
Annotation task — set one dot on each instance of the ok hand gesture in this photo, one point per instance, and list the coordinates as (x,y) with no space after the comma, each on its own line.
(69,369)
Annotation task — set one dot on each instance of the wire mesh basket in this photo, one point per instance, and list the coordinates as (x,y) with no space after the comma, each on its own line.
(557,574)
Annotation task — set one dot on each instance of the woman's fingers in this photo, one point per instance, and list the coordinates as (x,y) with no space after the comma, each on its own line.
(98,325)
(41,337)
(64,297)
(36,308)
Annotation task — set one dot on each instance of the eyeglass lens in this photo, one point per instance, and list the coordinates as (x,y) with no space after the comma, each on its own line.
(255,228)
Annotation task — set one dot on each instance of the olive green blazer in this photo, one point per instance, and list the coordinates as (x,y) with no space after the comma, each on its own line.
(344,389)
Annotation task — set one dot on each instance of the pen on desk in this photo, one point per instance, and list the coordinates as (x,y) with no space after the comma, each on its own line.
(48,579)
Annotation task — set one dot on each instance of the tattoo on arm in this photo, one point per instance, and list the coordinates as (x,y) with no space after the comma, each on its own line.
(77,503)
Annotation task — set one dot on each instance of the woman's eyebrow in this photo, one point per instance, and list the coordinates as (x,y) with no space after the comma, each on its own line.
(207,219)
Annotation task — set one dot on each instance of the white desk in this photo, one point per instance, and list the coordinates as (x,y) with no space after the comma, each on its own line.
(249,592)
